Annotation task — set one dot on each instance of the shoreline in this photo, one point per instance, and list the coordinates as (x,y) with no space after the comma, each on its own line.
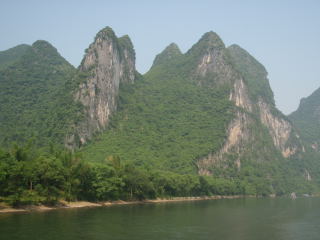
(85,204)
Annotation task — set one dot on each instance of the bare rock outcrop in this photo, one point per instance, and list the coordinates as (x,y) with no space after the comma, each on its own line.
(279,129)
(109,61)
(250,109)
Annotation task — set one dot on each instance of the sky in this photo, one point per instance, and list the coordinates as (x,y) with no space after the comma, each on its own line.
(283,35)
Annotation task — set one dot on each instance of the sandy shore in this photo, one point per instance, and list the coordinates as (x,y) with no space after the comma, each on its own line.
(84,204)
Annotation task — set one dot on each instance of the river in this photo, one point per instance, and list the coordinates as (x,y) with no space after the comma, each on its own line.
(236,219)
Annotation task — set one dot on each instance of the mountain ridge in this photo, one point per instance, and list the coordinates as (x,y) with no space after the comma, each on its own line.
(209,68)
(108,62)
(209,111)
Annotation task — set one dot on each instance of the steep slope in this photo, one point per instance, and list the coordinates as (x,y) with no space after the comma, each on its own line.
(166,120)
(169,53)
(43,97)
(258,131)
(109,62)
(261,141)
(209,111)
(253,72)
(195,113)
(255,77)
(34,100)
(307,119)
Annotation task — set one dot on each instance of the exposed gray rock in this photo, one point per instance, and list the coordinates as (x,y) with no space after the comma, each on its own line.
(237,137)
(109,61)
(213,68)
(307,175)
(279,129)
(214,65)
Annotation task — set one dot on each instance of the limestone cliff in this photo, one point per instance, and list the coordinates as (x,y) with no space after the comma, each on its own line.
(108,62)
(279,128)
(211,57)
(255,109)
(259,91)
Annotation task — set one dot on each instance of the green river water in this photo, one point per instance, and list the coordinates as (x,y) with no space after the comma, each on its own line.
(237,219)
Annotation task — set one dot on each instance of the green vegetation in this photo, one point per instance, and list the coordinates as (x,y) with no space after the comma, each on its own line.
(125,43)
(12,55)
(168,54)
(35,97)
(307,118)
(253,73)
(165,121)
(30,176)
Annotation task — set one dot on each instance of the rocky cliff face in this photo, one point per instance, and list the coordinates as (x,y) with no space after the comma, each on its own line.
(237,137)
(109,62)
(211,57)
(252,110)
(279,129)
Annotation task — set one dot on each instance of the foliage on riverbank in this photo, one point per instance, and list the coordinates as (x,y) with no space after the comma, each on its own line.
(32,176)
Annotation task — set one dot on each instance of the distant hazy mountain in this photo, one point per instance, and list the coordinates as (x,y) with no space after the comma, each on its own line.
(307,119)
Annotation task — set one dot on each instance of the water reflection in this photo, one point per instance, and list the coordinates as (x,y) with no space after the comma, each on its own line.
(242,219)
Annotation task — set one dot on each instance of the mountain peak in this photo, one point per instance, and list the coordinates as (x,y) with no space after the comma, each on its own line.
(106,32)
(47,53)
(103,45)
(108,63)
(126,39)
(44,48)
(212,38)
(253,72)
(307,119)
(170,52)
(42,44)
(126,44)
(238,51)
(173,47)
(208,41)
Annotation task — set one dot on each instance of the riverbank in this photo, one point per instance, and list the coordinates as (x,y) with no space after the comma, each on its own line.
(84,204)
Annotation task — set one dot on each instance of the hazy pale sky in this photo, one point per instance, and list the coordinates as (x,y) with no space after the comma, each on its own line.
(283,35)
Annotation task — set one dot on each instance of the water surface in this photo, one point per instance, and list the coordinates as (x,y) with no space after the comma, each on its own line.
(213,219)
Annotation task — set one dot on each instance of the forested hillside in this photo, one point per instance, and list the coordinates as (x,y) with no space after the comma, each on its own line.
(165,120)
(188,106)
(307,118)
(12,55)
(307,121)
(198,123)
(35,96)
